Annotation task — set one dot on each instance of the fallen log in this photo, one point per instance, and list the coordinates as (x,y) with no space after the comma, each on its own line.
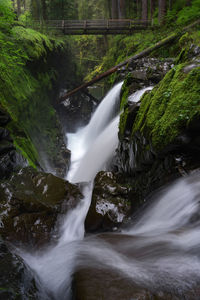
(139,55)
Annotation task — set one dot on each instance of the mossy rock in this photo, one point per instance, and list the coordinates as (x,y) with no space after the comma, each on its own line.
(170,107)
(31,203)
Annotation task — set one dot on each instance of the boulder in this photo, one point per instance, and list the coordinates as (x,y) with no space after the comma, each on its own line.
(76,111)
(30,205)
(110,206)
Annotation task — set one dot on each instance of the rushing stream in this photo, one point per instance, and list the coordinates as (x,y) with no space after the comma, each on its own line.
(160,251)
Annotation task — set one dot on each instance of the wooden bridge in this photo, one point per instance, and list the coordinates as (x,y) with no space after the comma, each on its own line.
(110,26)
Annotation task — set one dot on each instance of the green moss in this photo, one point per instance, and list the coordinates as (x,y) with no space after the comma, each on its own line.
(23,143)
(170,107)
(125,91)
(123,103)
(25,90)
(122,122)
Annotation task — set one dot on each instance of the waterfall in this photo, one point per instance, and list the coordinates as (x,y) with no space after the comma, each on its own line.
(160,251)
(84,143)
(92,146)
(100,152)
(103,115)
(135,97)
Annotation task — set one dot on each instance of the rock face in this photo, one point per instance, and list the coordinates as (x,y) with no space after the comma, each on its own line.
(159,138)
(76,111)
(30,205)
(146,72)
(10,159)
(16,281)
(110,206)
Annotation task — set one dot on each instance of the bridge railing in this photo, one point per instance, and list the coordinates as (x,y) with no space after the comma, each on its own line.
(102,24)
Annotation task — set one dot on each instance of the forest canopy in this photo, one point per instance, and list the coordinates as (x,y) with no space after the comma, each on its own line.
(162,11)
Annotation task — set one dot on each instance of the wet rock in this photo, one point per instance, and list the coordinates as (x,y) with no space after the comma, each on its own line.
(95,284)
(76,111)
(4,134)
(146,71)
(10,162)
(110,206)
(30,204)
(190,67)
(150,154)
(10,159)
(5,147)
(4,119)
(16,281)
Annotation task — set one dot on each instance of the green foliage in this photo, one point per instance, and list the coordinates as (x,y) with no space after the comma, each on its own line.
(121,47)
(25,92)
(170,107)
(88,52)
(189,13)
(35,44)
(182,14)
(93,9)
(6,14)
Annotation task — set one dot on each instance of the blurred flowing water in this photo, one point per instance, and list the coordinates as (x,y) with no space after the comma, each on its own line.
(160,251)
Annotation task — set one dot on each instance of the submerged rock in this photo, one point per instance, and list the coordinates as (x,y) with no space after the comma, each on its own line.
(30,204)
(125,272)
(110,206)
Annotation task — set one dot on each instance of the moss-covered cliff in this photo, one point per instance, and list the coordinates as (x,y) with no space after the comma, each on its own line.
(169,108)
(159,136)
(29,75)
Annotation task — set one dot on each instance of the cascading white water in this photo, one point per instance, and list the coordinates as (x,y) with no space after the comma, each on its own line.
(96,134)
(100,152)
(161,250)
(135,97)
(54,266)
(103,115)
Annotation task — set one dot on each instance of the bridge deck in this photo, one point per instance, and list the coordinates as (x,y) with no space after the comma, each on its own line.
(110,26)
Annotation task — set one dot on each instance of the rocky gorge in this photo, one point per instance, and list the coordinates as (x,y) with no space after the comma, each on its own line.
(159,141)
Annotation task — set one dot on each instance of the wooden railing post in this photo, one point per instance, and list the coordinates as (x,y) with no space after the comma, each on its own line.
(63,26)
(85,25)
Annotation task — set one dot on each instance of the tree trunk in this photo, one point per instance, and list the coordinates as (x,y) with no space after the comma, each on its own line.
(144,53)
(161,11)
(170,4)
(152,8)
(144,10)
(138,9)
(121,9)
(108,8)
(18,8)
(114,9)
(44,9)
